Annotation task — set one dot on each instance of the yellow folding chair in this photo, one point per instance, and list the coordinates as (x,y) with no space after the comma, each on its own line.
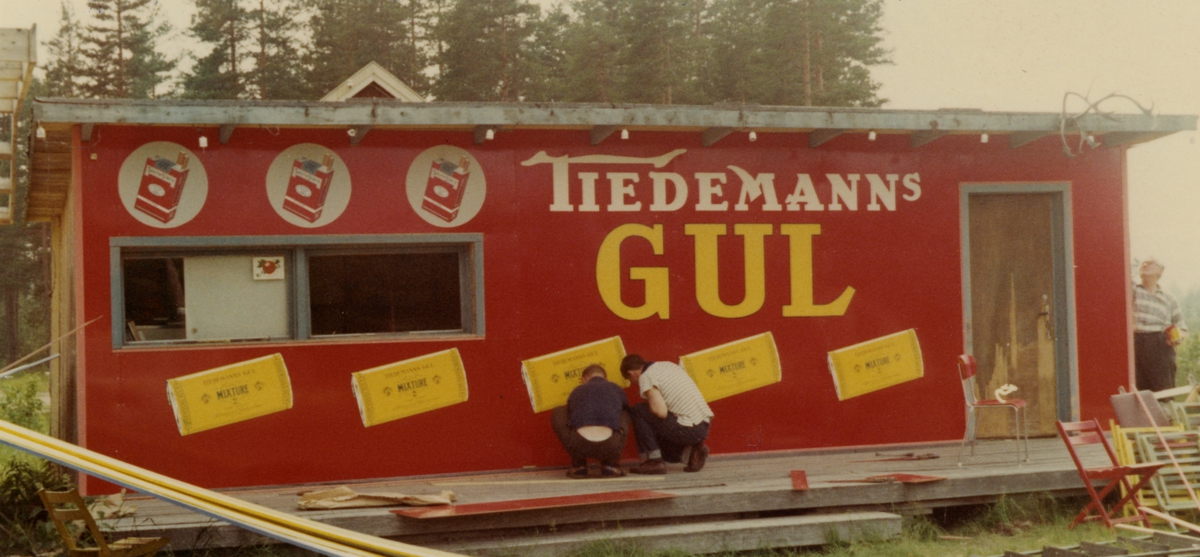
(65,507)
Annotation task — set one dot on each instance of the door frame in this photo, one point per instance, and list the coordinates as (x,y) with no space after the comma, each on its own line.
(1066,349)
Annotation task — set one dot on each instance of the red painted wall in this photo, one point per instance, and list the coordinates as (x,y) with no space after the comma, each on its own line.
(541,296)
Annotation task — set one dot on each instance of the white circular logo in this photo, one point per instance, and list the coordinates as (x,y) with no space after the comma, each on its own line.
(446,186)
(308,185)
(162,184)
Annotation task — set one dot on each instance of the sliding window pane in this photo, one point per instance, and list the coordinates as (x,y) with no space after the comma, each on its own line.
(385,293)
(154,302)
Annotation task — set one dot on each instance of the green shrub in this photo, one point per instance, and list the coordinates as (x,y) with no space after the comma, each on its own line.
(24,527)
(21,405)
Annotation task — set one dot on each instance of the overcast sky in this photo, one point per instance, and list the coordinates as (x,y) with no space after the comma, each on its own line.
(1006,55)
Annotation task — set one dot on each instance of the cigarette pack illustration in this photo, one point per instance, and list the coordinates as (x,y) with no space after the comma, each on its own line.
(161,187)
(308,185)
(445,186)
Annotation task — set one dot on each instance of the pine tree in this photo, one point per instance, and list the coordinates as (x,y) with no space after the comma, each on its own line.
(118,48)
(591,50)
(820,50)
(276,74)
(487,53)
(348,34)
(218,75)
(254,52)
(64,72)
(547,74)
(736,48)
(655,62)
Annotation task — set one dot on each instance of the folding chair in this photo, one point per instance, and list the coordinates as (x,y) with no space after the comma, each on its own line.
(1169,488)
(65,507)
(1077,434)
(1125,444)
(966,372)
(1187,414)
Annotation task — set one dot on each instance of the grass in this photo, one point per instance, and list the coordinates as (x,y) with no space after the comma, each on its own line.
(1012,524)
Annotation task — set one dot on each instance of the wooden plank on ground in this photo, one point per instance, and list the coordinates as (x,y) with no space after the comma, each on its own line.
(799,480)
(703,537)
(584,499)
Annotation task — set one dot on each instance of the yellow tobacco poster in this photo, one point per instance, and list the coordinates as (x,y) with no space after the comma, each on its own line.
(550,378)
(230,394)
(876,364)
(410,387)
(734,367)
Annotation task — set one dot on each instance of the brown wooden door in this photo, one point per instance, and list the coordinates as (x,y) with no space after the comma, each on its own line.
(1012,256)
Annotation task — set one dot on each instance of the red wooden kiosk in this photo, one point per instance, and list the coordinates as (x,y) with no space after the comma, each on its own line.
(509,231)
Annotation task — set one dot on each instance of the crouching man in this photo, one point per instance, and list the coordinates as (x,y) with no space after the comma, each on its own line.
(673,423)
(594,424)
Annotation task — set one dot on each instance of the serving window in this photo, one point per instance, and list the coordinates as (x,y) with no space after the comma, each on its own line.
(197,290)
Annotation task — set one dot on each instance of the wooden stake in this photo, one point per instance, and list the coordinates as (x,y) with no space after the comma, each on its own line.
(1171,519)
(48,345)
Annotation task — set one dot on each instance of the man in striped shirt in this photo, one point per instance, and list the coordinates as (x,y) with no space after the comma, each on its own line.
(673,423)
(1155,312)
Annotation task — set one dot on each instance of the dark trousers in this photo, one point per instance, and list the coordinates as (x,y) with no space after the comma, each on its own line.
(1154,361)
(664,437)
(608,451)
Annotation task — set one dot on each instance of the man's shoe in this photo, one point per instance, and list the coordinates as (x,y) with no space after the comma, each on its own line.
(698,458)
(650,467)
(577,472)
(607,471)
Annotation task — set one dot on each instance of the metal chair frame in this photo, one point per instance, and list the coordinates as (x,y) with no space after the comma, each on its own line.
(966,372)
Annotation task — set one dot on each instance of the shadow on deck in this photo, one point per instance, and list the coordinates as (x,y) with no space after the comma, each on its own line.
(743,501)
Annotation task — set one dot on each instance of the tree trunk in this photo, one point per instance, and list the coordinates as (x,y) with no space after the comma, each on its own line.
(12,324)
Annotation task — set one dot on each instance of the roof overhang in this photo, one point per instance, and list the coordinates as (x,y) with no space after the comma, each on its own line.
(397,114)
(922,127)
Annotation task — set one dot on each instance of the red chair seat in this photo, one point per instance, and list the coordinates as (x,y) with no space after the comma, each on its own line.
(1019,403)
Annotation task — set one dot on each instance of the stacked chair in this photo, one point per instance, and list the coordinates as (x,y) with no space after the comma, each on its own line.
(1168,491)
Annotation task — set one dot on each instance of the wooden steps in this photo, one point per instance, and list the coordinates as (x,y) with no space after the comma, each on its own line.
(699,537)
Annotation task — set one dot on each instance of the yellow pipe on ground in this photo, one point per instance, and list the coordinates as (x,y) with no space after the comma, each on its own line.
(317,536)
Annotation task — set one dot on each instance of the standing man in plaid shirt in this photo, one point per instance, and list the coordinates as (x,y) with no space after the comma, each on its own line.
(1154,313)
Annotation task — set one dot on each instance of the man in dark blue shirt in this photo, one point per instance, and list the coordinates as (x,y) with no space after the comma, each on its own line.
(594,424)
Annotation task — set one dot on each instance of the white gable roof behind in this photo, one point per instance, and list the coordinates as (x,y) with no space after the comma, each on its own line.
(373,73)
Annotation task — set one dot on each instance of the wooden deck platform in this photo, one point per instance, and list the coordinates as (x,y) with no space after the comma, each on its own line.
(742,501)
